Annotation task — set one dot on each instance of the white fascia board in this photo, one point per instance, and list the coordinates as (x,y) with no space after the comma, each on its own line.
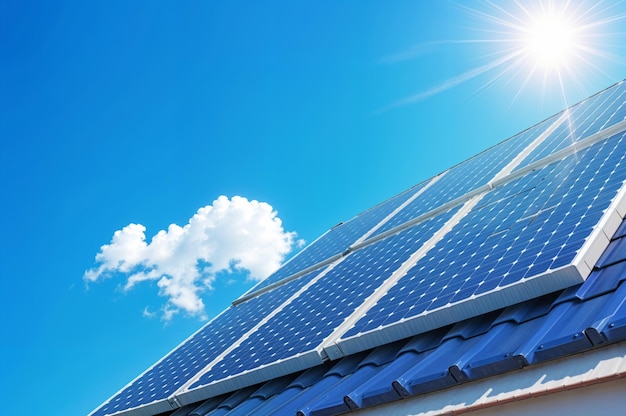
(602,233)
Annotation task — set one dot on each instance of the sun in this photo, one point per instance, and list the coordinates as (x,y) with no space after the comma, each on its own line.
(550,40)
(546,49)
(545,46)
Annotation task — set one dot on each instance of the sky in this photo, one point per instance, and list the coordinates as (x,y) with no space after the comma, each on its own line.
(157,159)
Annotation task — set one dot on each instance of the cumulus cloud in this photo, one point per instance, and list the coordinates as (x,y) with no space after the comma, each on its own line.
(229,235)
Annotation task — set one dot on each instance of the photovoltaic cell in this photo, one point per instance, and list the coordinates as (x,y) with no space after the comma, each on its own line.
(586,118)
(193,355)
(467,176)
(526,227)
(313,316)
(339,238)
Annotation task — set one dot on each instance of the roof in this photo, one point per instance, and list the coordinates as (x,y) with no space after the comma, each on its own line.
(588,316)
(508,261)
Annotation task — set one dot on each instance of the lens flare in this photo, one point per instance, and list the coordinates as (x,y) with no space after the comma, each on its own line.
(548,42)
(547,47)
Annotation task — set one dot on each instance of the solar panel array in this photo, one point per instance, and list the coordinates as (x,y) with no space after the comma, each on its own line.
(336,240)
(524,218)
(166,376)
(523,229)
(303,324)
(595,114)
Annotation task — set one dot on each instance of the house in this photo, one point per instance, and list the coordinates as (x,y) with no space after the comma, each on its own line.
(493,287)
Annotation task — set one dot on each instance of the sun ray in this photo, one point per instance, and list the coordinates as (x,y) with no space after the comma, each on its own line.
(555,43)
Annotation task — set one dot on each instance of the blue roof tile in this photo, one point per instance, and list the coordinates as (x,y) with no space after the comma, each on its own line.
(496,351)
(565,334)
(427,341)
(602,281)
(295,388)
(344,367)
(232,401)
(610,323)
(377,390)
(334,403)
(526,311)
(615,253)
(207,406)
(259,397)
(471,327)
(440,370)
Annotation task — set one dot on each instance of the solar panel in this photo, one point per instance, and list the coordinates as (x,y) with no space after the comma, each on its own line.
(303,324)
(185,361)
(339,238)
(522,219)
(455,183)
(595,114)
(536,224)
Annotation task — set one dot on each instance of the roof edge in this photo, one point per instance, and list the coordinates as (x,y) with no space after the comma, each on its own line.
(572,372)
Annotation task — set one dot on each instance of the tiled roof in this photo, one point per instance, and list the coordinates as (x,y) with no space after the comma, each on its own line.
(587,316)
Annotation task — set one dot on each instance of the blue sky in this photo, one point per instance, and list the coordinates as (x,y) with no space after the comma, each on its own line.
(119,113)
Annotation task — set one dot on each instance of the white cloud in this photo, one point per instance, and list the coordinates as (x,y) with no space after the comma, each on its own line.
(147,313)
(235,234)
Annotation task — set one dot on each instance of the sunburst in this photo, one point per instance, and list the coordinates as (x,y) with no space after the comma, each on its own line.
(544,46)
(554,43)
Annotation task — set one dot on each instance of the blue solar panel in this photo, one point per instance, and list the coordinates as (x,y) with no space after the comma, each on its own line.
(193,355)
(339,238)
(309,319)
(534,224)
(586,118)
(455,183)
